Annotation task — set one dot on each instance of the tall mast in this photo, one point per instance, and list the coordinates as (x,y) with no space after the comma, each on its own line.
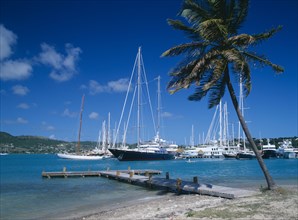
(139,98)
(81,116)
(220,124)
(158,109)
(109,130)
(241,106)
(192,137)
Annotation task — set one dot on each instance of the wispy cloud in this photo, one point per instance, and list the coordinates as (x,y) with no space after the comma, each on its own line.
(20,90)
(7,40)
(47,127)
(93,115)
(63,66)
(21,120)
(11,69)
(23,106)
(119,85)
(52,137)
(166,115)
(68,113)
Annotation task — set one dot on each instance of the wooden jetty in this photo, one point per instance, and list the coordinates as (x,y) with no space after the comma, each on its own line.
(65,174)
(145,178)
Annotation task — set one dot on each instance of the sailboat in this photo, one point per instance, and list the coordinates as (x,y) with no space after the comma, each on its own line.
(152,150)
(78,155)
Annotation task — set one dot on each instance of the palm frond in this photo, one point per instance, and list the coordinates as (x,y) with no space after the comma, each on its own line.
(218,71)
(239,15)
(218,8)
(189,31)
(194,12)
(213,30)
(198,94)
(217,92)
(240,66)
(180,77)
(241,40)
(264,36)
(205,61)
(263,61)
(183,48)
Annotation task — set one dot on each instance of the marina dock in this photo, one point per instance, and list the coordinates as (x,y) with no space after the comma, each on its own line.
(145,178)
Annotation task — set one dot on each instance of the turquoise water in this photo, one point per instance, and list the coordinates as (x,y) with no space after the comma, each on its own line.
(25,195)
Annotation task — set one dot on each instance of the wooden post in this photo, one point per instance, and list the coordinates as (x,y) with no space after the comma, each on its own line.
(178,185)
(131,174)
(195,179)
(167,175)
(117,173)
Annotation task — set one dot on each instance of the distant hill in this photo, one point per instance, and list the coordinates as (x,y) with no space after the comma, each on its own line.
(37,144)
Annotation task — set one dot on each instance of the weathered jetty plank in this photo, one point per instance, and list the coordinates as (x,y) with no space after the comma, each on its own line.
(147,180)
(64,174)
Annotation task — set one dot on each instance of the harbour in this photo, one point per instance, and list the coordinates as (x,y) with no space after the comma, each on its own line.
(23,188)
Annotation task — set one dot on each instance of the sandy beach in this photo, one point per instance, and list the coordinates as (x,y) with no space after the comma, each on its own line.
(279,204)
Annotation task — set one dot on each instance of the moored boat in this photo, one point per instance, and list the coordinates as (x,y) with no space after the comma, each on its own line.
(152,150)
(246,155)
(78,155)
(137,155)
(286,150)
(269,151)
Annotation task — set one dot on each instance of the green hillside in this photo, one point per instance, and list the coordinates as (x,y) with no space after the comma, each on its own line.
(36,144)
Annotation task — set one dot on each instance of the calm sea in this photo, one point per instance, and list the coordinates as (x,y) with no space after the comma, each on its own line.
(26,195)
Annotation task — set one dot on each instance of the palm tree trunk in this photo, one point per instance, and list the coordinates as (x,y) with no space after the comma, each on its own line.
(270,182)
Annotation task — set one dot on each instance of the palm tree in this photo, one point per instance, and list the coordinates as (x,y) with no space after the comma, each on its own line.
(216,50)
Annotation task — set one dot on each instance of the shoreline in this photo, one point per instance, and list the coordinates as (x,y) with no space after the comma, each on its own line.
(281,203)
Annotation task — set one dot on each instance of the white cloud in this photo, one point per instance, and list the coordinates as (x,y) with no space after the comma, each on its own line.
(68,113)
(20,90)
(120,85)
(21,120)
(23,106)
(50,57)
(63,66)
(7,40)
(93,115)
(47,127)
(11,69)
(52,137)
(50,128)
(15,70)
(94,87)
(166,115)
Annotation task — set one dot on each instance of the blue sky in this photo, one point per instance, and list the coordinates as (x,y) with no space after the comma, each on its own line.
(53,52)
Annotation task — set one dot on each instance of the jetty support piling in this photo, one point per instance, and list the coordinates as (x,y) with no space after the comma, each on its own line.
(167,175)
(195,179)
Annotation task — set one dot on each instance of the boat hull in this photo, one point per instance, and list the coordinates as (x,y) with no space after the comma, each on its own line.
(229,156)
(79,157)
(131,155)
(245,156)
(269,154)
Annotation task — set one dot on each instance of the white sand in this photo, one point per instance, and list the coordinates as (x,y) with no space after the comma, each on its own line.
(279,204)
